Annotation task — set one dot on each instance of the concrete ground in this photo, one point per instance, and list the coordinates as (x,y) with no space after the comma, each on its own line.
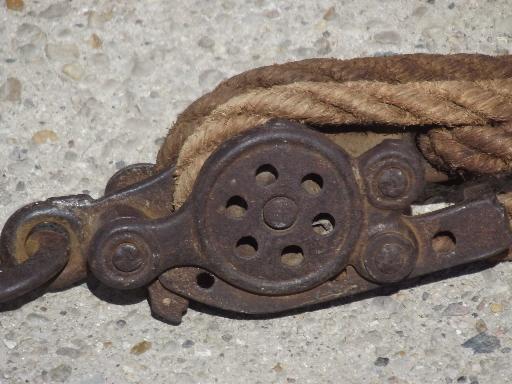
(87,87)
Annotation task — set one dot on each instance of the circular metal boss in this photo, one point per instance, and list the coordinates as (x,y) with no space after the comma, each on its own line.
(389,257)
(122,256)
(393,174)
(280,212)
(277,209)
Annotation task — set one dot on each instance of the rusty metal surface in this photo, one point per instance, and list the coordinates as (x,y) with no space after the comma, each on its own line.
(468,232)
(278,244)
(166,304)
(279,218)
(80,216)
(200,285)
(49,254)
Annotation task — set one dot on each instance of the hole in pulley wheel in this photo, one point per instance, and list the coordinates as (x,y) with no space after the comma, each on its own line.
(266,175)
(236,207)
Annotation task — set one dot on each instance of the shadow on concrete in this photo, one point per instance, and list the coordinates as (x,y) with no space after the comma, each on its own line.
(120,297)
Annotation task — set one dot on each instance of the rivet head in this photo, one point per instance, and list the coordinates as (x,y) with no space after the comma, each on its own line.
(392,182)
(392,257)
(127,257)
(280,213)
(389,257)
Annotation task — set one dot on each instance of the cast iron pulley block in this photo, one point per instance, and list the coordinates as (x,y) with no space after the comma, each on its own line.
(280,217)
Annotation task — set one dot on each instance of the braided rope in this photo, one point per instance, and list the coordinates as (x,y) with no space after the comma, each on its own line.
(481,149)
(444,103)
(465,101)
(397,69)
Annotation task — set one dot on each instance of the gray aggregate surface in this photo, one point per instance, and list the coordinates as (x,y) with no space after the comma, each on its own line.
(87,87)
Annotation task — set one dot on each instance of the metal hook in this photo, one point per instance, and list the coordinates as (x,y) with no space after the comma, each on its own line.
(47,261)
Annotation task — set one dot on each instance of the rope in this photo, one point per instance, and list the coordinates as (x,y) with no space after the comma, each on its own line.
(466,98)
(480,149)
(393,69)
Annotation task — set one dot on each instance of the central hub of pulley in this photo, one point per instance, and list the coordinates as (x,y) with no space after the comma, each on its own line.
(280,212)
